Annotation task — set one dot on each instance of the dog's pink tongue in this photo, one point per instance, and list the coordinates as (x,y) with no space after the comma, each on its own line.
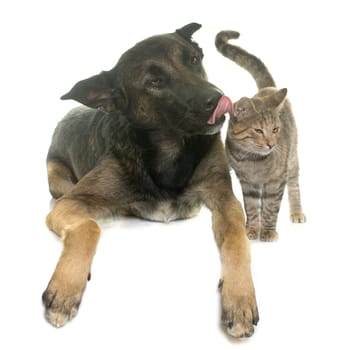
(224,105)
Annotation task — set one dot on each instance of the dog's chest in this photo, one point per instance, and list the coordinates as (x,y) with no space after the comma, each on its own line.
(172,174)
(171,165)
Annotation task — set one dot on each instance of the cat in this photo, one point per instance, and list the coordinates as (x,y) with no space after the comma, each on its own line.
(261,145)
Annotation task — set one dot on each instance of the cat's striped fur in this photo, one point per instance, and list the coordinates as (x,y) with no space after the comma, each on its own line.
(261,145)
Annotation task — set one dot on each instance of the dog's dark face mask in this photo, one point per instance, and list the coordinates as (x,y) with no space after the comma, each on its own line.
(160,83)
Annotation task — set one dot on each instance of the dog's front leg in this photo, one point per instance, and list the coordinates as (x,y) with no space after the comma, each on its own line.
(239,309)
(70,220)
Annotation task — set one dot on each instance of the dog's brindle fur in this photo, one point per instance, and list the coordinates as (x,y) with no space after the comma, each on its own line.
(144,147)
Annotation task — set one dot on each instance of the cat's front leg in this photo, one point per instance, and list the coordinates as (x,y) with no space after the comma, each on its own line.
(271,203)
(252,206)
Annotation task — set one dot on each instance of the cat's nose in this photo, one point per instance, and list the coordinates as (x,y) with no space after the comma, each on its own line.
(270,145)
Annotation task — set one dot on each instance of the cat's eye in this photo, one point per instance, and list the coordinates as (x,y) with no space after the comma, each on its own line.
(259,131)
(276,130)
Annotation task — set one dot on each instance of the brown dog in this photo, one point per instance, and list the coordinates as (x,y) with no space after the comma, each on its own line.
(147,145)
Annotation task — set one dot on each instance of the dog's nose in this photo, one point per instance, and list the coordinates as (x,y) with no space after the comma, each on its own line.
(212,101)
(210,105)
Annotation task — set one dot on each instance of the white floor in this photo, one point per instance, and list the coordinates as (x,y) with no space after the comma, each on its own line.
(154,286)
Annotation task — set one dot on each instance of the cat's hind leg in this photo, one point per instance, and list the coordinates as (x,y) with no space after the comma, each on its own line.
(296,212)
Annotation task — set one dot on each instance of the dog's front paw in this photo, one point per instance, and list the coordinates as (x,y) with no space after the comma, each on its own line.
(268,235)
(239,312)
(61,303)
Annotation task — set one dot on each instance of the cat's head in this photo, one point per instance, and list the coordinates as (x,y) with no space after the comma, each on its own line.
(255,124)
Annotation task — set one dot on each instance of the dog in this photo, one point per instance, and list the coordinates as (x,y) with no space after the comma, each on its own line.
(146,143)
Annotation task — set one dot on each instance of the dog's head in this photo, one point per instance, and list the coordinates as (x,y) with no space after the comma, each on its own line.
(159,83)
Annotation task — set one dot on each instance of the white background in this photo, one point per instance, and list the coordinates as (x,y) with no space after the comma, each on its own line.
(154,285)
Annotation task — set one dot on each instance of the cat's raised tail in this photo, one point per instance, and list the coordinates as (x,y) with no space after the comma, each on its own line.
(247,61)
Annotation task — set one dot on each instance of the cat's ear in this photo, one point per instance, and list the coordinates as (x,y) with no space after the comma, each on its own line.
(98,91)
(277,98)
(243,108)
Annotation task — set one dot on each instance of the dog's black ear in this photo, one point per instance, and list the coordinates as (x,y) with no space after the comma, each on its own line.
(187,31)
(98,91)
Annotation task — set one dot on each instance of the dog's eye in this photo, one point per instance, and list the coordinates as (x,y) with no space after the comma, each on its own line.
(195,60)
(153,83)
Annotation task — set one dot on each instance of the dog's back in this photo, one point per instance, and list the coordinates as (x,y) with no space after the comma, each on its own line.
(77,141)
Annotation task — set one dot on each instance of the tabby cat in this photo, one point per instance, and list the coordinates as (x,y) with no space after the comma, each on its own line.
(261,145)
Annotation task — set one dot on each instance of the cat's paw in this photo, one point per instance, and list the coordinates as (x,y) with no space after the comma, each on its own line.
(252,234)
(268,236)
(297,218)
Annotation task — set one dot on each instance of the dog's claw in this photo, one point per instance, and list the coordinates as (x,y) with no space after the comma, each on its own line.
(220,284)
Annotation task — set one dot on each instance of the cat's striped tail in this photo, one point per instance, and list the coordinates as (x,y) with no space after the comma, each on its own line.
(249,62)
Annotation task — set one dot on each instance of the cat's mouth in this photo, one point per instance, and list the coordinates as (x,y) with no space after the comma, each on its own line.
(265,150)
(224,105)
